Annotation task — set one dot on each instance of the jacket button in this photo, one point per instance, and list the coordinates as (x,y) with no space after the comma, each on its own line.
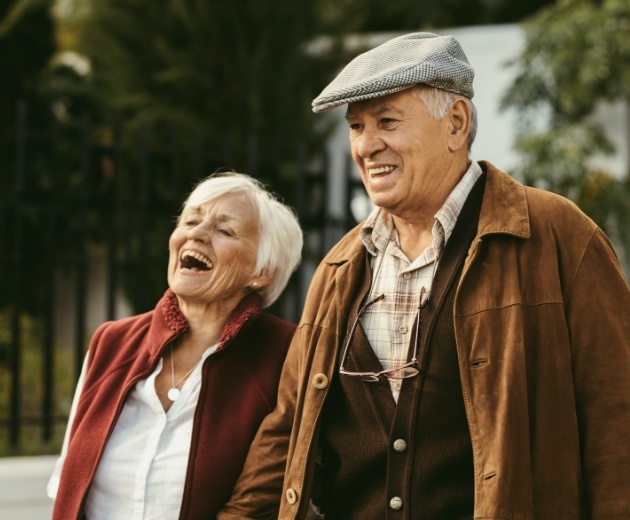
(320,381)
(400,445)
(291,496)
(396,503)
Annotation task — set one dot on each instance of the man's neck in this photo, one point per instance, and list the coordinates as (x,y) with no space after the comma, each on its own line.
(414,236)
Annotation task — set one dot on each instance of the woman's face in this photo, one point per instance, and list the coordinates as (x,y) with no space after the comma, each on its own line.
(212,251)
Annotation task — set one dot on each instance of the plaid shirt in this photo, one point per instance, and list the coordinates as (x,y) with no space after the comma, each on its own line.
(389,323)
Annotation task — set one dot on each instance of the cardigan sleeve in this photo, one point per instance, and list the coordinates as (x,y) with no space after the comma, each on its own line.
(53,482)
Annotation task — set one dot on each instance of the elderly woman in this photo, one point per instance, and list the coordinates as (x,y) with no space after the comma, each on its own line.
(170,400)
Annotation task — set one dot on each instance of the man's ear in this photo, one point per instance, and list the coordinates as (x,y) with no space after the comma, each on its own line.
(459,120)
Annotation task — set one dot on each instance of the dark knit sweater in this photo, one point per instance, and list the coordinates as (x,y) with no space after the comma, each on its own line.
(366,465)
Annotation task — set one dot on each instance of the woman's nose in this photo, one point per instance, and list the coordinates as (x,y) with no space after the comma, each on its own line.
(198,233)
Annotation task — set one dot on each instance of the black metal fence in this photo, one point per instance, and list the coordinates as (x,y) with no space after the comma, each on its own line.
(82,206)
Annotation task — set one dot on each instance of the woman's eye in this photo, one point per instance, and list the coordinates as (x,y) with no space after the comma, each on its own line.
(225,231)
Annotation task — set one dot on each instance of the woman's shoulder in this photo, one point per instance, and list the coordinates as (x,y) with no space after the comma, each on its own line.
(125,325)
(275,326)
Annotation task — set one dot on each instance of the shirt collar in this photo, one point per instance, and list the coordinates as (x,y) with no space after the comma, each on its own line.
(378,229)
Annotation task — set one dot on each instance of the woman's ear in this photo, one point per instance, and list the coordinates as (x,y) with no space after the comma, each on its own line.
(459,120)
(260,281)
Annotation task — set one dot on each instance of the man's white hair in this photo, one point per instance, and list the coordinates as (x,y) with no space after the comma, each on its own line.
(438,102)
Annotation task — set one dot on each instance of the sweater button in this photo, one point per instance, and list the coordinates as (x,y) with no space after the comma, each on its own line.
(396,503)
(400,445)
(320,381)
(291,496)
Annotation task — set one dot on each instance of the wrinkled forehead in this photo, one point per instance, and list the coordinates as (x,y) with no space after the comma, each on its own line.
(398,103)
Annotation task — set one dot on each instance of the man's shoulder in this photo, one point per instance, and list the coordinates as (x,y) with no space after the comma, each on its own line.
(346,248)
(538,207)
(551,209)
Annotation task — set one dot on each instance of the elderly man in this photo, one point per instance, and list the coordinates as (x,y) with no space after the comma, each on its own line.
(464,352)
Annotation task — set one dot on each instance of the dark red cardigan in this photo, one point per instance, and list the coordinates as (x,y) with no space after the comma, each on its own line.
(238,390)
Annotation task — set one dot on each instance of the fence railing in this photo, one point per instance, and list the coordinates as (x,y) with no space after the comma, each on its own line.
(84,225)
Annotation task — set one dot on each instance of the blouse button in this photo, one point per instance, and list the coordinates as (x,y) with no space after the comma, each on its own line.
(320,381)
(291,496)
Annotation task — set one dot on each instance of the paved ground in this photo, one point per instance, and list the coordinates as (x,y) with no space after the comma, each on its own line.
(23,488)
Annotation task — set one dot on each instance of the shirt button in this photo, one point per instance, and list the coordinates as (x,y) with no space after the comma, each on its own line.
(396,503)
(291,496)
(402,329)
(407,275)
(320,381)
(400,445)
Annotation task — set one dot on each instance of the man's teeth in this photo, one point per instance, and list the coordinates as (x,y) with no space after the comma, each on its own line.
(198,257)
(382,169)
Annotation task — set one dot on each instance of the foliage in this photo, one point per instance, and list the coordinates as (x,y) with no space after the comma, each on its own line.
(31,383)
(26,46)
(26,43)
(189,87)
(576,57)
(414,15)
(242,67)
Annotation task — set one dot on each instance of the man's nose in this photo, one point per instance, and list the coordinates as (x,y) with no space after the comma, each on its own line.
(369,142)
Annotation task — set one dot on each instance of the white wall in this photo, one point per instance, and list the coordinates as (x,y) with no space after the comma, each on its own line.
(23,488)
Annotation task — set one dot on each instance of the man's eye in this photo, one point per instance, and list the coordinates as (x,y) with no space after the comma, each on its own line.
(355,127)
(386,121)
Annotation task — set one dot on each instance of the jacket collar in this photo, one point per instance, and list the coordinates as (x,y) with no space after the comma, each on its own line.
(504,210)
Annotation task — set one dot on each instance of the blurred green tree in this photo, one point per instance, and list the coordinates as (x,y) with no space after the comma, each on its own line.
(219,84)
(576,58)
(413,15)
(244,66)
(26,45)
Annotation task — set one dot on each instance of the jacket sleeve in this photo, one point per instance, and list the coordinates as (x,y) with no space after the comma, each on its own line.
(258,490)
(598,314)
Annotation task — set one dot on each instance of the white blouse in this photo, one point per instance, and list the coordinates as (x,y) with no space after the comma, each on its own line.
(142,472)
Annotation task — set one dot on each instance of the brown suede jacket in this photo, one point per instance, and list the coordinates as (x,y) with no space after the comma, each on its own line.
(238,389)
(542,325)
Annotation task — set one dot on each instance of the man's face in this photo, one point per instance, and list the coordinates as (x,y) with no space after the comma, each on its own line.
(402,152)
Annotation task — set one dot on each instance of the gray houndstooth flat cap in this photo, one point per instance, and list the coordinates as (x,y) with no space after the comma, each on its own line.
(398,64)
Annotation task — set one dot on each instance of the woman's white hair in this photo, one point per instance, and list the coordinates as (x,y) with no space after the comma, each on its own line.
(280,236)
(438,102)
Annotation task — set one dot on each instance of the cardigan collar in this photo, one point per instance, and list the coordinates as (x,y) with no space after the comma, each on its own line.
(168,322)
